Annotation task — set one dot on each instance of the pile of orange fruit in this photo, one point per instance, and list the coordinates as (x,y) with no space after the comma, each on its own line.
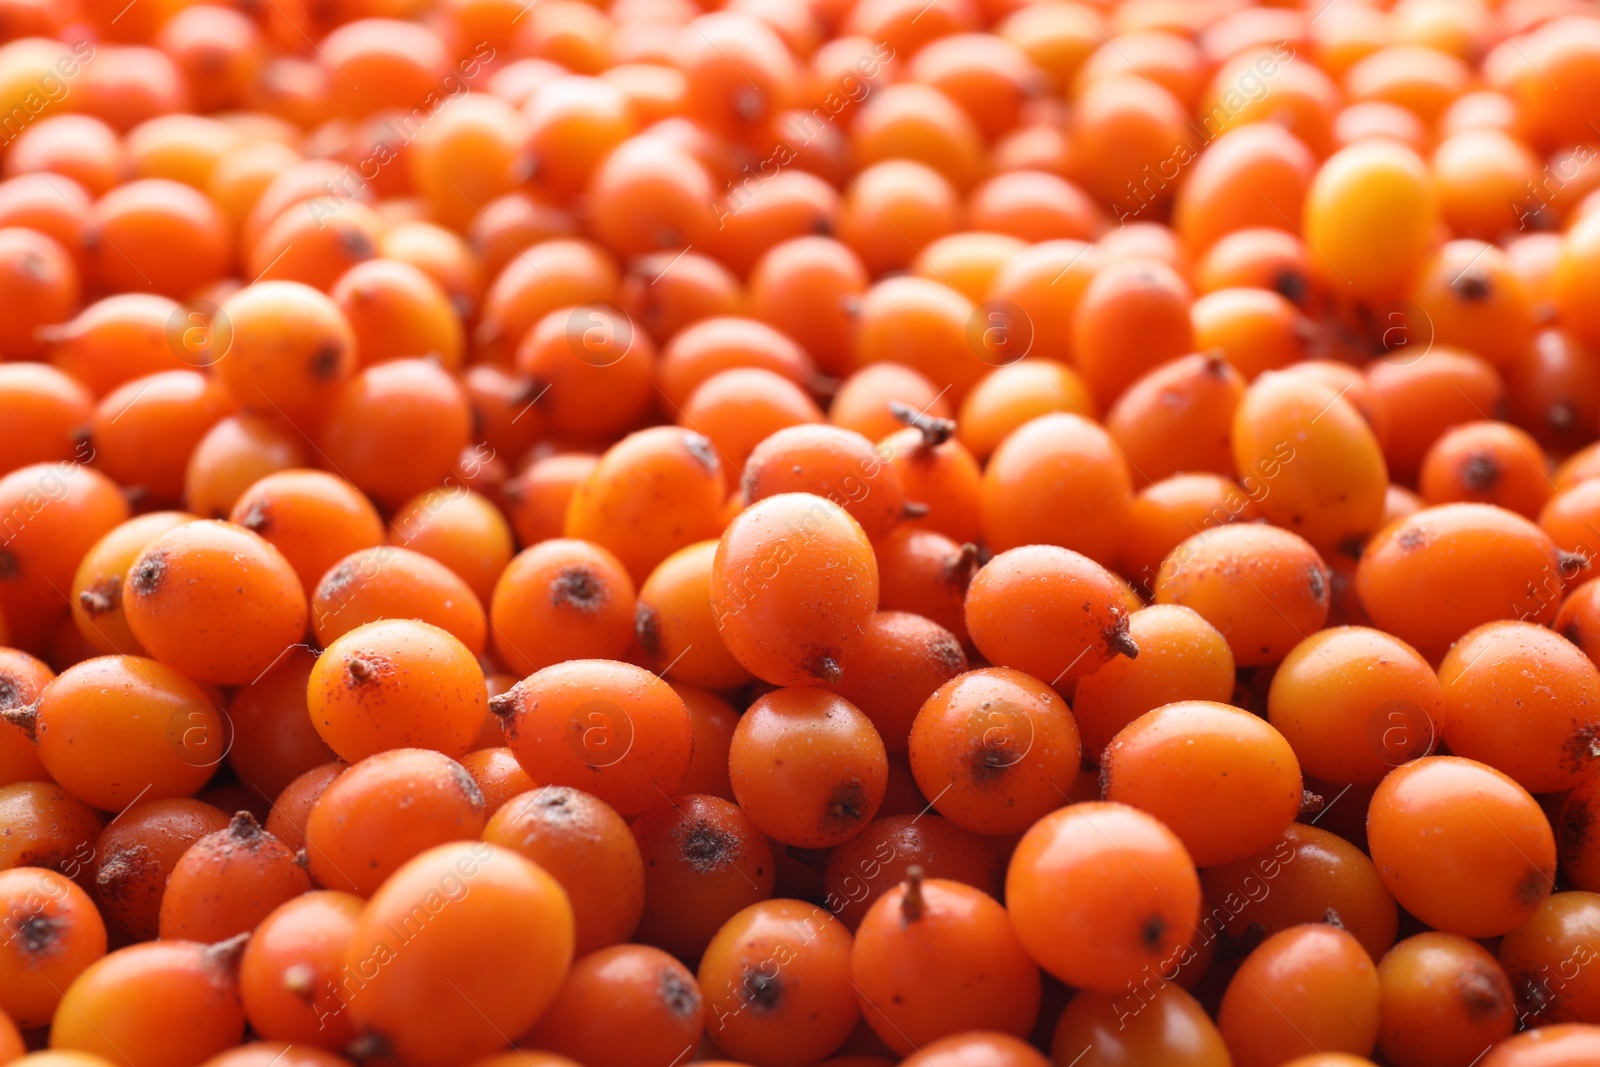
(799,533)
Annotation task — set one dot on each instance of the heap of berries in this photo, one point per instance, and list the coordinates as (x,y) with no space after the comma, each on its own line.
(799,533)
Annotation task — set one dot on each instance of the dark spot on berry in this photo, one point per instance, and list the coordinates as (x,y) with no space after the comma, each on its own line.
(1319,584)
(1151,931)
(8,565)
(706,848)
(705,453)
(847,806)
(324,362)
(1483,992)
(1480,472)
(356,244)
(680,997)
(258,519)
(647,627)
(468,785)
(1534,887)
(1291,285)
(1573,827)
(761,992)
(1473,285)
(364,668)
(1411,539)
(101,597)
(1582,748)
(577,587)
(148,575)
(38,933)
(336,581)
(946,653)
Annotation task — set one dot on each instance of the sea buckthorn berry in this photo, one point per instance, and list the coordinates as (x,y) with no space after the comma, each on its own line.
(651,494)
(863,401)
(1181,657)
(1545,960)
(737,409)
(930,327)
(397,428)
(1473,298)
(996,749)
(486,961)
(1264,588)
(1425,396)
(1371,214)
(614,729)
(117,728)
(776,980)
(261,1053)
(713,720)
(52,933)
(186,997)
(1523,700)
(624,1005)
(498,774)
(395,583)
(143,431)
(97,608)
(1490,463)
(1433,576)
(54,514)
(234,454)
(1300,878)
(1075,611)
(1307,989)
(462,529)
(215,601)
(1178,417)
(1059,479)
(397,683)
(22,679)
(1015,394)
(314,518)
(45,409)
(1165,1025)
(381,812)
(807,767)
(1168,512)
(1135,897)
(1134,316)
(942,480)
(1442,999)
(899,663)
(1479,820)
(934,958)
(704,862)
(589,369)
(395,312)
(49,828)
(583,844)
(1563,1045)
(136,853)
(562,600)
(1000,1050)
(676,628)
(1324,474)
(1355,702)
(228,881)
(1185,763)
(863,869)
(292,979)
(288,348)
(287,819)
(793,584)
(830,462)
